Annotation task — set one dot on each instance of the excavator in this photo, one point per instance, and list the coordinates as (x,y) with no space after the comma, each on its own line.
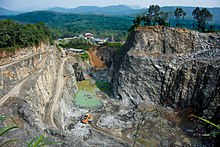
(86,118)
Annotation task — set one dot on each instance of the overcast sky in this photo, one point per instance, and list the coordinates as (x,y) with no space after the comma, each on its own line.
(36,4)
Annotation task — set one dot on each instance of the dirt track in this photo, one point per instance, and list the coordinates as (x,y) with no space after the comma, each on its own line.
(59,88)
(19,60)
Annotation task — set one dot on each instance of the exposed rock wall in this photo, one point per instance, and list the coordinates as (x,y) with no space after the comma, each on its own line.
(34,98)
(14,70)
(38,92)
(106,54)
(78,72)
(13,74)
(175,67)
(20,53)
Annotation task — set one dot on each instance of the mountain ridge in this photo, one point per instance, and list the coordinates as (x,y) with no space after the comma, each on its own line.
(108,10)
(6,12)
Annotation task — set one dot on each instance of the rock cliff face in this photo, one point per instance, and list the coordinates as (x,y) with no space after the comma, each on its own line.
(106,54)
(174,67)
(78,72)
(29,87)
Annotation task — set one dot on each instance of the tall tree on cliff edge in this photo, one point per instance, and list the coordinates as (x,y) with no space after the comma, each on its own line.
(151,18)
(178,13)
(202,17)
(153,14)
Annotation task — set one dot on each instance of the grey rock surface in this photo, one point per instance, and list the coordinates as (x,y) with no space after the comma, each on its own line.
(174,67)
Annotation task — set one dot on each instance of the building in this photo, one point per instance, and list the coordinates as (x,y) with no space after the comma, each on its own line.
(76,51)
(88,35)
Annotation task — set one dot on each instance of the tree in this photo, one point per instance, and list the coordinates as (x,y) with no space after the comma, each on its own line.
(153,17)
(184,14)
(178,13)
(211,28)
(162,18)
(202,17)
(14,35)
(194,14)
(137,22)
(153,14)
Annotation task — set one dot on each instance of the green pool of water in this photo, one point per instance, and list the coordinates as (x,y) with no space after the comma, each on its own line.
(87,95)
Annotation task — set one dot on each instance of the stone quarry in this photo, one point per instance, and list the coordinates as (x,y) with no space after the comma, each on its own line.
(161,76)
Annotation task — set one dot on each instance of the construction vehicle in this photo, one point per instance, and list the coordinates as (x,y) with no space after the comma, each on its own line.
(86,118)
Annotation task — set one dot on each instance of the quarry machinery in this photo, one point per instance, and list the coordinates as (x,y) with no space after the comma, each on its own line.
(86,118)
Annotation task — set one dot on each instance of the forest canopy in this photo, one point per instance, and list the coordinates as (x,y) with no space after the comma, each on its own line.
(14,35)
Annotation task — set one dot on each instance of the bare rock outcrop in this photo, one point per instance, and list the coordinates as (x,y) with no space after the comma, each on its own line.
(175,67)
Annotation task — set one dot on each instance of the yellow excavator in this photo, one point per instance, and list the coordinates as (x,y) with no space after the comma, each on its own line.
(87,118)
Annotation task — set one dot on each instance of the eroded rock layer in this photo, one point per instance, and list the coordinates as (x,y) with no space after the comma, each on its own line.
(175,67)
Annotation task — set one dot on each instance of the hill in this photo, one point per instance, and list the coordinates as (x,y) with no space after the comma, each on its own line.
(121,10)
(108,10)
(4,11)
(215,12)
(66,25)
(92,19)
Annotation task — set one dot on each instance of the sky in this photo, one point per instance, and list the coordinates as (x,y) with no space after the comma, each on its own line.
(39,4)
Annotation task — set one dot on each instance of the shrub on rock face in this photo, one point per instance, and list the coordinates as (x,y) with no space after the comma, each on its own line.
(84,56)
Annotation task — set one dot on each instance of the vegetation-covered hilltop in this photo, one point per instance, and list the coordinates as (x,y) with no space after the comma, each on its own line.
(14,35)
(154,16)
(68,25)
(116,25)
(102,26)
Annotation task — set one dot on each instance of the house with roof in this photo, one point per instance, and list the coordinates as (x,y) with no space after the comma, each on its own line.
(88,35)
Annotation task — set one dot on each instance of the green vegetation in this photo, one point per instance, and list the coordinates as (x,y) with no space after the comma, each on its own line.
(114,44)
(117,45)
(178,13)
(213,132)
(156,17)
(202,18)
(205,120)
(6,129)
(77,44)
(68,25)
(151,18)
(84,56)
(14,35)
(103,86)
(40,141)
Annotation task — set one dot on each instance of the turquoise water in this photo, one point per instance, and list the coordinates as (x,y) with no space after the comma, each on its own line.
(86,96)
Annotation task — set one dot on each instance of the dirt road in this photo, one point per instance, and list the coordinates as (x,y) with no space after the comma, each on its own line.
(59,88)
(19,60)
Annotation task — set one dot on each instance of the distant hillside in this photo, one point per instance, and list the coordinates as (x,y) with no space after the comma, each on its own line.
(121,10)
(215,12)
(109,10)
(75,24)
(4,11)
(92,19)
